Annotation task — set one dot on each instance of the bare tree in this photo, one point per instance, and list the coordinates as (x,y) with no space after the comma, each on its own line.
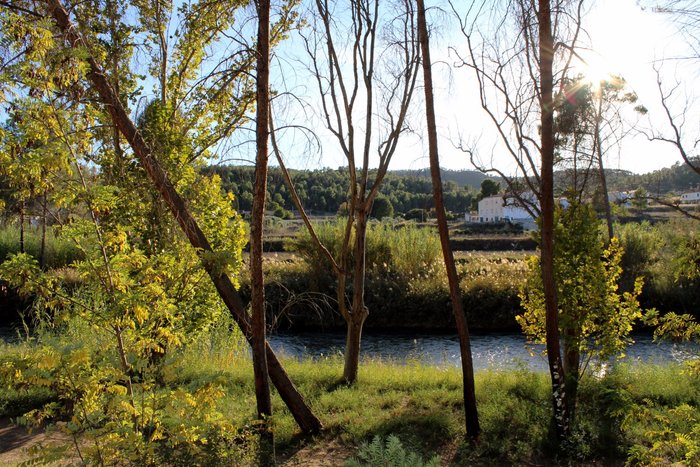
(517,68)
(682,131)
(470,409)
(361,57)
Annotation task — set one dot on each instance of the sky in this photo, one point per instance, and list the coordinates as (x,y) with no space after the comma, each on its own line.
(625,39)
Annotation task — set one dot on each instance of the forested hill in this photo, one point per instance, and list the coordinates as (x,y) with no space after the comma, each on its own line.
(325,190)
(470,178)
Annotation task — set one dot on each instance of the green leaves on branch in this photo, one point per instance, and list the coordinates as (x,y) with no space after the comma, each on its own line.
(597,316)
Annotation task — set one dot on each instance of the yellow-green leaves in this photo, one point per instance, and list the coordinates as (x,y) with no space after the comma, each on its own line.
(594,316)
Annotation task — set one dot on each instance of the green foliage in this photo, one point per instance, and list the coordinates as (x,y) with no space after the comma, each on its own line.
(595,318)
(489,188)
(382,208)
(389,454)
(672,429)
(666,256)
(326,190)
(406,249)
(93,403)
(60,251)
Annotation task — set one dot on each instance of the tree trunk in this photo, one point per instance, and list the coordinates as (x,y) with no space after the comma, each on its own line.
(601,169)
(470,410)
(303,415)
(358,312)
(42,249)
(262,383)
(572,367)
(21,226)
(257,281)
(556,370)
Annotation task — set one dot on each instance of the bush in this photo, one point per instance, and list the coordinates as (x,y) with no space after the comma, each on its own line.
(666,256)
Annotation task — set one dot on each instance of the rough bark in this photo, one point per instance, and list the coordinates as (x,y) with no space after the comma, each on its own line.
(470,409)
(257,281)
(556,370)
(358,312)
(307,421)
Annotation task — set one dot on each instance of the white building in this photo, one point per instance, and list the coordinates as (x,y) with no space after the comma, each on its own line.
(690,198)
(491,209)
(497,208)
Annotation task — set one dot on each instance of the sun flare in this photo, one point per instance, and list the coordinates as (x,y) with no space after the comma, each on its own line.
(622,38)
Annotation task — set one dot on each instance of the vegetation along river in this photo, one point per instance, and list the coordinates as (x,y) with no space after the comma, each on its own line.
(489,351)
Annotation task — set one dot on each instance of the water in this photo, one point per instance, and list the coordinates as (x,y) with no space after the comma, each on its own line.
(491,351)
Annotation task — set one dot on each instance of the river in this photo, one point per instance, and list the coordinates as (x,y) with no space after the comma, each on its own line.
(489,351)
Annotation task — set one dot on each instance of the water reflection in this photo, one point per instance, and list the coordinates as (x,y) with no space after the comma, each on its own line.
(491,351)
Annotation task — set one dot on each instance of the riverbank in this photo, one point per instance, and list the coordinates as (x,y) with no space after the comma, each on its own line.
(619,415)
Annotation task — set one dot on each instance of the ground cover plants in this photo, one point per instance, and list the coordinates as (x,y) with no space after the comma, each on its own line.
(203,408)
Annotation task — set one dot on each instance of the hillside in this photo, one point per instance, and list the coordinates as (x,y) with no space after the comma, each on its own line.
(324,190)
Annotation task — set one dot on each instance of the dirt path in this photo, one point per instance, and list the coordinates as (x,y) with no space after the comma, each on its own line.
(15,442)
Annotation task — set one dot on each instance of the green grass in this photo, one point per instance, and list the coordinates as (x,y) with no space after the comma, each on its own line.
(421,405)
(59,251)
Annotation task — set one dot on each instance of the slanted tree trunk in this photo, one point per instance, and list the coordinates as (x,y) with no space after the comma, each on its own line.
(556,369)
(303,415)
(470,410)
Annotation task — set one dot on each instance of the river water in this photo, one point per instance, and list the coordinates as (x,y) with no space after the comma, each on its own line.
(490,351)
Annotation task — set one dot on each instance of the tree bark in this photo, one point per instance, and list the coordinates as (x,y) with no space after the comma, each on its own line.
(556,370)
(358,312)
(601,169)
(307,421)
(42,249)
(260,370)
(470,409)
(21,226)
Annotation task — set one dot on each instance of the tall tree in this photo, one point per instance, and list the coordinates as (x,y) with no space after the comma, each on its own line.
(72,38)
(257,282)
(589,122)
(470,409)
(360,56)
(516,67)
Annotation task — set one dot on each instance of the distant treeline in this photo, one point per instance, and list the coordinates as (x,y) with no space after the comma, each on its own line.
(325,190)
(410,192)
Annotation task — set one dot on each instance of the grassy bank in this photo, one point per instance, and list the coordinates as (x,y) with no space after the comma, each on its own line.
(623,415)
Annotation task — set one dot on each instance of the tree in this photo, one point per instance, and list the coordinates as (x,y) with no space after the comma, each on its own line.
(489,188)
(381,66)
(470,409)
(72,39)
(589,121)
(594,316)
(516,74)
(677,103)
(382,208)
(257,282)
